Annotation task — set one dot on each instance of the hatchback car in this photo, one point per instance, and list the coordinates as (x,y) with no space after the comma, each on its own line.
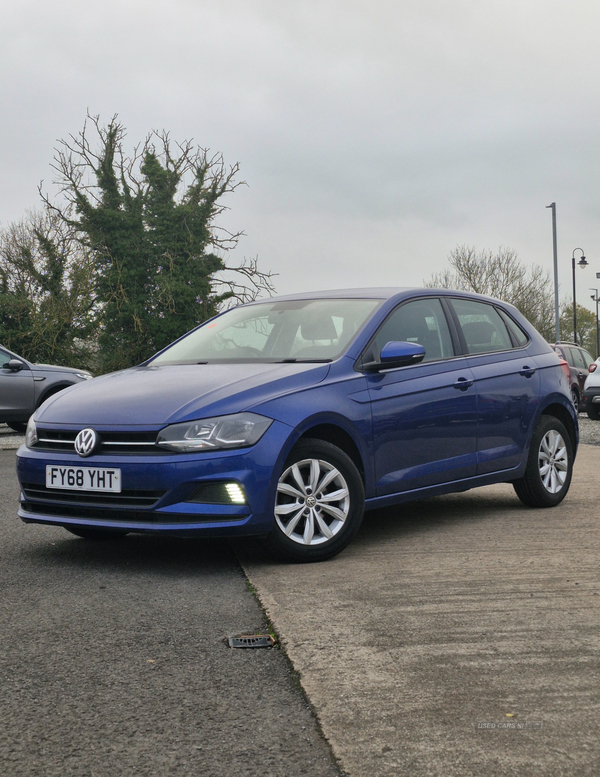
(579,361)
(24,386)
(591,392)
(287,418)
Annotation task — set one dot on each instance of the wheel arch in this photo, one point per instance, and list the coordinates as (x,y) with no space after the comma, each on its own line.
(50,391)
(339,437)
(560,412)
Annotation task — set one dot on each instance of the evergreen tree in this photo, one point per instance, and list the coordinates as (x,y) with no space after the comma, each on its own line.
(149,222)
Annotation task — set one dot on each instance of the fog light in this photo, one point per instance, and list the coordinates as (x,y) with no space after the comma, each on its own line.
(219,494)
(235,493)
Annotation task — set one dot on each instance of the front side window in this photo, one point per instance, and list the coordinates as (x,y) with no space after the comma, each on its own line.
(483,328)
(293,330)
(422,321)
(4,358)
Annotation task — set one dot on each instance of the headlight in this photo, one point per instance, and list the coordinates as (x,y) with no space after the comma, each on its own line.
(31,434)
(213,434)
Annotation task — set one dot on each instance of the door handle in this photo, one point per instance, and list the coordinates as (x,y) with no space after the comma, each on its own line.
(462,384)
(527,371)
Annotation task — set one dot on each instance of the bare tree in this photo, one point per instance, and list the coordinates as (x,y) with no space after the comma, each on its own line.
(47,302)
(502,275)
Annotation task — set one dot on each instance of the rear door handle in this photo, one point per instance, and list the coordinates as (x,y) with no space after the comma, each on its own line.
(463,384)
(527,372)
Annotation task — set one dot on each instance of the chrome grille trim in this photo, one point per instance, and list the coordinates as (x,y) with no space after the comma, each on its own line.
(115,442)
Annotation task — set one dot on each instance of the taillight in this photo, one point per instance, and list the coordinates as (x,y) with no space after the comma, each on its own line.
(592,367)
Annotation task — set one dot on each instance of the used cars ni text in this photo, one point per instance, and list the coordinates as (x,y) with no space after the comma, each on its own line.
(289,417)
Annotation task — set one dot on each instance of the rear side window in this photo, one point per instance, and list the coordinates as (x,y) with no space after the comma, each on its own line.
(422,321)
(579,360)
(483,328)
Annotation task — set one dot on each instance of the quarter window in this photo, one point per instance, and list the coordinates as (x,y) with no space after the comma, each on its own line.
(587,358)
(482,327)
(517,334)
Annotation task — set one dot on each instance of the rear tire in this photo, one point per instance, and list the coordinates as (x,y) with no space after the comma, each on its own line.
(593,411)
(575,399)
(95,534)
(319,503)
(17,427)
(549,467)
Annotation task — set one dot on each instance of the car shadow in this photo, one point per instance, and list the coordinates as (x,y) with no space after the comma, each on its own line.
(136,554)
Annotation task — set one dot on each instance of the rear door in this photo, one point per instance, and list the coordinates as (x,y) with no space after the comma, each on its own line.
(507,380)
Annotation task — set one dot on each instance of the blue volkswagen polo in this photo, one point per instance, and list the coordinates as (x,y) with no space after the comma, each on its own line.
(289,417)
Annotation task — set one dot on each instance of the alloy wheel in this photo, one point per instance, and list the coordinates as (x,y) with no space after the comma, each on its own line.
(553,461)
(312,503)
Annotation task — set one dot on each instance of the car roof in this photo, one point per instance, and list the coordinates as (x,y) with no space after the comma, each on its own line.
(377,292)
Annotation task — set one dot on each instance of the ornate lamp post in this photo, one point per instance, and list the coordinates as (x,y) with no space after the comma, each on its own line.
(581,263)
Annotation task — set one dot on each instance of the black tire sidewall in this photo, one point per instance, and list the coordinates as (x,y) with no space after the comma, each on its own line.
(287,549)
(538,492)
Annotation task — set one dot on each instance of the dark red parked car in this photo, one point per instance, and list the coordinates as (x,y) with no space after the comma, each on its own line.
(579,361)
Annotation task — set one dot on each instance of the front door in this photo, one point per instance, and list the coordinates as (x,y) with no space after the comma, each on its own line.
(424,415)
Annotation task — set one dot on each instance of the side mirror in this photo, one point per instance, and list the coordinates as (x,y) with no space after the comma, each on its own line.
(396,354)
(14,365)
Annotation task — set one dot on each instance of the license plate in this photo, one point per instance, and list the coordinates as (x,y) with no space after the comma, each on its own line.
(83,478)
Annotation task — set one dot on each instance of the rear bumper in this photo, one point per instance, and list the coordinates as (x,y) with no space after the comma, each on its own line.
(591,396)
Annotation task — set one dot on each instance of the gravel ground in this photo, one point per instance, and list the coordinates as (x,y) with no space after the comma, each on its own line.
(589,431)
(9,439)
(589,434)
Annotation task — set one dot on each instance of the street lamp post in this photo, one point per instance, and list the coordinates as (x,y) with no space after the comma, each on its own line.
(555,254)
(581,263)
(596,300)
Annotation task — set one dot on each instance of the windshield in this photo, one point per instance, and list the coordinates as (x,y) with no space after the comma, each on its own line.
(298,330)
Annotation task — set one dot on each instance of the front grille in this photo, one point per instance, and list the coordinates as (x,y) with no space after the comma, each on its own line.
(128,516)
(61,441)
(131,498)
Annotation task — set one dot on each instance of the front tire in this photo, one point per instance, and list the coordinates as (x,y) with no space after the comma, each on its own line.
(549,467)
(319,503)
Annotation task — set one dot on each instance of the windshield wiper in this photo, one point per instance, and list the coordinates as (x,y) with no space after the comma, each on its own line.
(303,361)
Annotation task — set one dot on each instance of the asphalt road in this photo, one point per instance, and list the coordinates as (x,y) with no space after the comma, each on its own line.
(113,661)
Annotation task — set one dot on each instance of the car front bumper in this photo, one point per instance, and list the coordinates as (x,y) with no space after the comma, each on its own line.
(157,490)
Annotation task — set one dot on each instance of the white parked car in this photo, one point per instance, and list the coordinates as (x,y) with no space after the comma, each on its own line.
(591,392)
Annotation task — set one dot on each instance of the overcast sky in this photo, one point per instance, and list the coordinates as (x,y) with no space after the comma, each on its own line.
(374,136)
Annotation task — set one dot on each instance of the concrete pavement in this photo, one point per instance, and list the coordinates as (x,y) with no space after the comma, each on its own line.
(456,636)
